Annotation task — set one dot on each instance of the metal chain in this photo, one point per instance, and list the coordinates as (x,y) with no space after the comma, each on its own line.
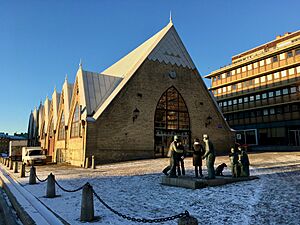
(142,220)
(78,189)
(38,177)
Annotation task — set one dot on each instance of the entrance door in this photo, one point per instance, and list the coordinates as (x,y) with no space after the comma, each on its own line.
(171,118)
(294,137)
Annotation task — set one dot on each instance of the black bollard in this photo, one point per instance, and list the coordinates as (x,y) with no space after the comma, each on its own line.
(11,164)
(22,172)
(87,204)
(188,220)
(15,167)
(50,193)
(7,164)
(32,178)
(93,162)
(86,162)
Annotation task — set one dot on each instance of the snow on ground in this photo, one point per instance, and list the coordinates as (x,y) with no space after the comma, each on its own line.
(133,188)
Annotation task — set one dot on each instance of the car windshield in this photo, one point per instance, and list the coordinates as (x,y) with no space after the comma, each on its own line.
(36,152)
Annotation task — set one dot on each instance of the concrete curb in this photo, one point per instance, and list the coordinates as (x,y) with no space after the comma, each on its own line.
(29,209)
(22,214)
(8,216)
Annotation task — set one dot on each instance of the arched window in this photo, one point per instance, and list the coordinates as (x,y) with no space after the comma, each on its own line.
(75,126)
(171,112)
(51,128)
(61,128)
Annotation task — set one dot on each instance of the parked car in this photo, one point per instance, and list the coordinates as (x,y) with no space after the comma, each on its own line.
(33,155)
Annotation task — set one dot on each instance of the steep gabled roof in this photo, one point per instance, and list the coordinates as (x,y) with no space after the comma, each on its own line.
(67,95)
(47,112)
(41,118)
(55,104)
(94,89)
(165,46)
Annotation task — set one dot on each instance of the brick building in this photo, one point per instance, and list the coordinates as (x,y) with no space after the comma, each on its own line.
(132,109)
(259,93)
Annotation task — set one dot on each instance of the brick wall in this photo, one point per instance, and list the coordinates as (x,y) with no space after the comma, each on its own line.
(115,137)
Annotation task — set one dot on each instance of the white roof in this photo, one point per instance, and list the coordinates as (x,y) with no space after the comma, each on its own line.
(55,104)
(40,117)
(67,94)
(46,111)
(165,46)
(94,89)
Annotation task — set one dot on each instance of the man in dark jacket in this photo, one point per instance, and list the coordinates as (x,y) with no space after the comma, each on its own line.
(197,157)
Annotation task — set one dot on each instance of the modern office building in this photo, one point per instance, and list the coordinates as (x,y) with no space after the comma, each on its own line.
(259,93)
(131,110)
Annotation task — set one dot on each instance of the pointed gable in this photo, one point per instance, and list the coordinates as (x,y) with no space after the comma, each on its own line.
(135,58)
(41,118)
(165,46)
(55,104)
(171,50)
(47,112)
(67,95)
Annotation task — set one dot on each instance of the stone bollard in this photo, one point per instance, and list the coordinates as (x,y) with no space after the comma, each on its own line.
(32,178)
(93,162)
(87,204)
(188,220)
(86,165)
(15,167)
(22,172)
(50,193)
(11,164)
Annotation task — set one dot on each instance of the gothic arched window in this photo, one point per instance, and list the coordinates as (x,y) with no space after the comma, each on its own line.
(75,125)
(171,111)
(61,128)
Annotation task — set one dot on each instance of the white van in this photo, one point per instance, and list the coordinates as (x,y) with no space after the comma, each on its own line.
(33,155)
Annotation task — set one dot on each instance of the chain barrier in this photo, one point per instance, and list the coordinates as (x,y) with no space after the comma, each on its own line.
(66,190)
(142,220)
(39,178)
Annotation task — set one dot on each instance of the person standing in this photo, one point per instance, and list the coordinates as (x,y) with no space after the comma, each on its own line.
(180,159)
(244,163)
(210,156)
(197,157)
(173,158)
(234,159)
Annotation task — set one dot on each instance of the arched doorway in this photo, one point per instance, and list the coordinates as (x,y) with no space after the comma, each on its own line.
(171,118)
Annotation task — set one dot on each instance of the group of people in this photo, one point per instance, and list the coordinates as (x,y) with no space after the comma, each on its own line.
(239,162)
(204,150)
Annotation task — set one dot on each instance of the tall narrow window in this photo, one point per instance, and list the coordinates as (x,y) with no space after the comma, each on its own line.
(61,129)
(51,128)
(75,126)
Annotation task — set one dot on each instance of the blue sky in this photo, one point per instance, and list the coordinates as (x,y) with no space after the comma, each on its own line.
(42,41)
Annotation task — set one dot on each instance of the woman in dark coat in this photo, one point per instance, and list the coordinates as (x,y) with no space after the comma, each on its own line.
(197,157)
